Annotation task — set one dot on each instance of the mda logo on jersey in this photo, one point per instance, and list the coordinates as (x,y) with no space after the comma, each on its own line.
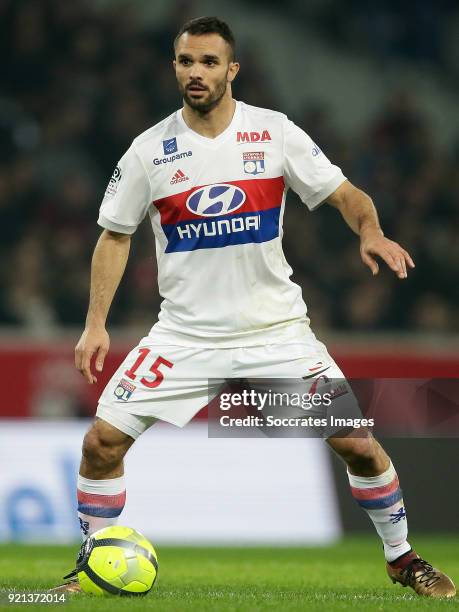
(170,146)
(215,200)
(263,136)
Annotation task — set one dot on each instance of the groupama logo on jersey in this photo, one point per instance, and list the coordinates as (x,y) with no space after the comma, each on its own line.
(215,200)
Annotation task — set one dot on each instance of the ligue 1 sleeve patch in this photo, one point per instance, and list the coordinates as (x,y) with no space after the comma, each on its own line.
(112,186)
(124,390)
(170,146)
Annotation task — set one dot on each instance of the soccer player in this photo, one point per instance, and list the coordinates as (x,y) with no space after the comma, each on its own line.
(213,178)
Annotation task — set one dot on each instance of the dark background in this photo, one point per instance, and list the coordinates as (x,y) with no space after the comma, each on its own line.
(81,79)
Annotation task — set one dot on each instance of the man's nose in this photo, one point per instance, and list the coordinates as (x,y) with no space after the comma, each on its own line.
(195,72)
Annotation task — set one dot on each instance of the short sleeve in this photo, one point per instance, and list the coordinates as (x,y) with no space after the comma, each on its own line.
(306,169)
(127,197)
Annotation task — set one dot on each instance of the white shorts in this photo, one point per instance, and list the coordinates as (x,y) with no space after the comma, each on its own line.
(173,383)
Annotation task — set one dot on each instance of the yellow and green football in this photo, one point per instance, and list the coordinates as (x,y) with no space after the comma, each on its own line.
(116,561)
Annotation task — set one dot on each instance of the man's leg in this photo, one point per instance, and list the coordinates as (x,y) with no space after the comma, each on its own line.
(101,490)
(375,486)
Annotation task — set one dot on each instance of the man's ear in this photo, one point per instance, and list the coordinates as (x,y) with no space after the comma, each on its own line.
(233,70)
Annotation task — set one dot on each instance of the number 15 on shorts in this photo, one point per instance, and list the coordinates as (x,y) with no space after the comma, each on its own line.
(159,362)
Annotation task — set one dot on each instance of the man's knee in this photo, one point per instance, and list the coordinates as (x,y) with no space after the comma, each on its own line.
(360,453)
(104,445)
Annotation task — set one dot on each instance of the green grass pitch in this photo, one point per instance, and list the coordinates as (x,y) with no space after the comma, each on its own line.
(347,576)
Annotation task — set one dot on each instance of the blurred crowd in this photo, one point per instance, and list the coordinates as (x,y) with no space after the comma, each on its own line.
(425,32)
(79,84)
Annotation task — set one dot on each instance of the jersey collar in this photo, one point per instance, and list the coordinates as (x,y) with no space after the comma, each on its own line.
(204,140)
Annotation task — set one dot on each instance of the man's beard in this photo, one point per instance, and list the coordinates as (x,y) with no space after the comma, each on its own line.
(204,106)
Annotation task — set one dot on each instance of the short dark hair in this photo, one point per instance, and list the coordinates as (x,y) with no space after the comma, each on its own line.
(208,25)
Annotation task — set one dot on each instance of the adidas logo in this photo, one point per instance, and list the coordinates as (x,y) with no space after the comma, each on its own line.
(179,177)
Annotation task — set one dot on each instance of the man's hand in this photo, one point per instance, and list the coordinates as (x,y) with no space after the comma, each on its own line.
(360,214)
(93,341)
(108,264)
(372,242)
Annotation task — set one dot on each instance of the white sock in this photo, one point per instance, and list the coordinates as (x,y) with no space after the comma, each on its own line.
(100,502)
(381,498)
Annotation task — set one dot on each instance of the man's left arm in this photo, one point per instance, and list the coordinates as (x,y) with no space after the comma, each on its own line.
(358,211)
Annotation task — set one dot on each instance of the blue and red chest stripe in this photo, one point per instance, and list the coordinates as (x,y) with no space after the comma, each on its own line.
(256,221)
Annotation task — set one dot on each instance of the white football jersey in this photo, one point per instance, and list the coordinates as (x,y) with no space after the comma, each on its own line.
(216,207)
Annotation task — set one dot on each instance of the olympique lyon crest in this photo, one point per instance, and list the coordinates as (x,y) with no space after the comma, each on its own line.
(124,390)
(254,162)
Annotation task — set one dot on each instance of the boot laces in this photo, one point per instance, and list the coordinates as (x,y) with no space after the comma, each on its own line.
(421,571)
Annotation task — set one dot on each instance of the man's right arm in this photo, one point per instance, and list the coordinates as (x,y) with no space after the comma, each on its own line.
(108,265)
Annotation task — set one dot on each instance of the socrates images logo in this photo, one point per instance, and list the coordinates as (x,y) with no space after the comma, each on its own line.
(215,200)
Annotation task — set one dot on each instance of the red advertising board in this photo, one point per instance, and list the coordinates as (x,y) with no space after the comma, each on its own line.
(39,378)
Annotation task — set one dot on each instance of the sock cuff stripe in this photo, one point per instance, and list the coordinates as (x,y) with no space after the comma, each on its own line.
(99,511)
(101,500)
(110,486)
(375,492)
(370,482)
(381,514)
(381,502)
